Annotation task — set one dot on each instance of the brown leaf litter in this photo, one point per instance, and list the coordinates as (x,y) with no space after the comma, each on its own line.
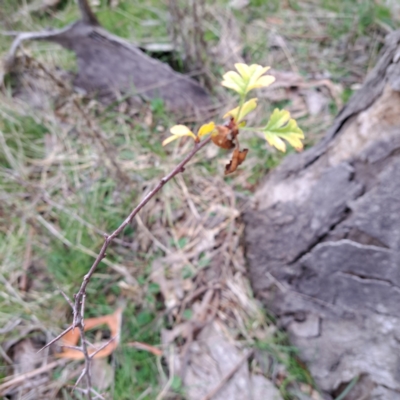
(97,350)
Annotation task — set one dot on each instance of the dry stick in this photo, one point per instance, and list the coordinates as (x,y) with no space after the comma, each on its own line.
(67,346)
(56,338)
(98,396)
(21,378)
(103,347)
(79,303)
(108,239)
(171,377)
(85,352)
(67,299)
(228,376)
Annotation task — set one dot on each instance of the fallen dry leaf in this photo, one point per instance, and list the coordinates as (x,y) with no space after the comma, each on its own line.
(71,338)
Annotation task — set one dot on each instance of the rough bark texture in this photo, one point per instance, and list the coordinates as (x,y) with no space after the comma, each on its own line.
(323,242)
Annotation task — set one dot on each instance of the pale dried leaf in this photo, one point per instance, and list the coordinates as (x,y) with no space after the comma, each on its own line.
(72,337)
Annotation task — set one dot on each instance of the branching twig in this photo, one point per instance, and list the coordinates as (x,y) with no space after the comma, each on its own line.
(67,299)
(163,392)
(19,379)
(22,36)
(102,347)
(56,338)
(78,315)
(79,299)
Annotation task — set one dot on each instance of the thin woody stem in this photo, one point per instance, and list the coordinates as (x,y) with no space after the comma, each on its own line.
(108,239)
(79,298)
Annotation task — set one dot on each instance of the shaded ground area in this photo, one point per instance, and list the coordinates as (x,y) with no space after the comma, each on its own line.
(68,174)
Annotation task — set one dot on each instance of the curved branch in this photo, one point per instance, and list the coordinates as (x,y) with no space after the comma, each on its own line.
(79,299)
(22,36)
(87,16)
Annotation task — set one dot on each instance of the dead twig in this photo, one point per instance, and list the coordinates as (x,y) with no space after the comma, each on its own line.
(67,299)
(102,347)
(163,392)
(78,315)
(146,347)
(227,377)
(23,377)
(55,339)
(79,299)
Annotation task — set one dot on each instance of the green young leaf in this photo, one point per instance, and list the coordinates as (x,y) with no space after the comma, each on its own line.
(247,78)
(281,126)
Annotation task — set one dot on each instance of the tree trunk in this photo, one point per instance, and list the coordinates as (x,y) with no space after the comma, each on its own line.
(323,242)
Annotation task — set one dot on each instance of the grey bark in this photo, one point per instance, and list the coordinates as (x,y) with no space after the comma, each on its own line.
(323,242)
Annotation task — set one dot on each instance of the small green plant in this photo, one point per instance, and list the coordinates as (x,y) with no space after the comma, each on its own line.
(280,127)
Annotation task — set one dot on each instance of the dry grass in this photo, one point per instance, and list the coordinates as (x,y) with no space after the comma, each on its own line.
(64,182)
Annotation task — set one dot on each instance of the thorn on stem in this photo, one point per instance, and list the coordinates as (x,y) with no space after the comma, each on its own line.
(55,339)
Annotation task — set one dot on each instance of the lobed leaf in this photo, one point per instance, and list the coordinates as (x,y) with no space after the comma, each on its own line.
(232,80)
(247,78)
(281,126)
